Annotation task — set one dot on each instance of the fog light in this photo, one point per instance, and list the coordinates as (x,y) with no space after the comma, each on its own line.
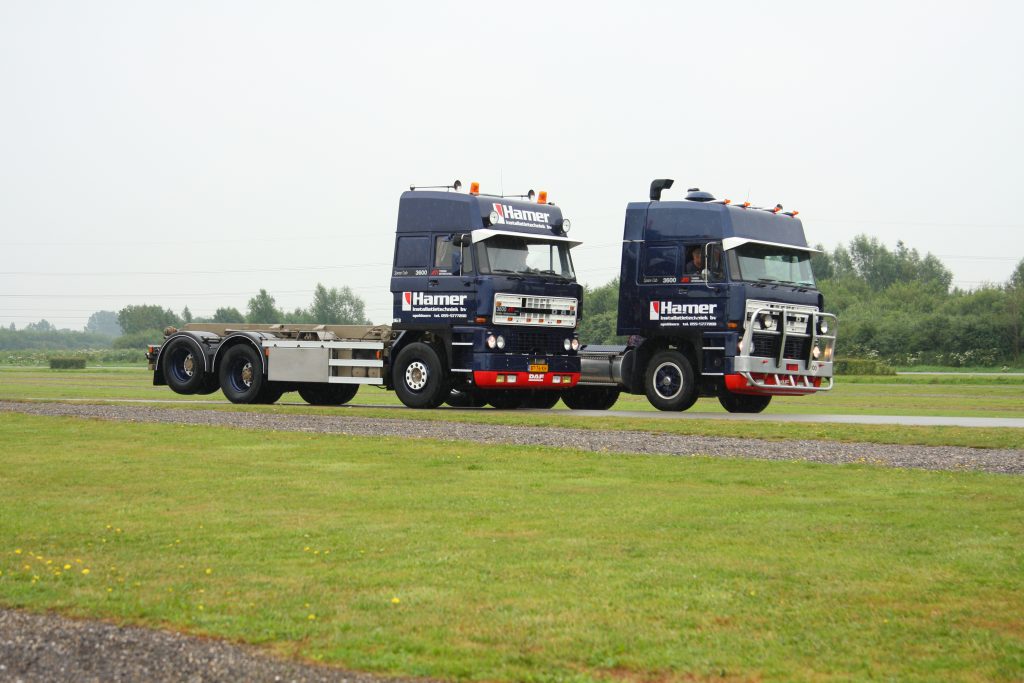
(501,342)
(500,379)
(491,341)
(575,344)
(567,344)
(828,353)
(511,379)
(556,379)
(822,326)
(767,321)
(815,353)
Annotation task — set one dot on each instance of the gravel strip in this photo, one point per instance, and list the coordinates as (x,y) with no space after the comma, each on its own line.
(46,648)
(1004,461)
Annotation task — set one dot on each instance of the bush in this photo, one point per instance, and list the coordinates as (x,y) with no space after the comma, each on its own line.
(67,363)
(139,340)
(862,366)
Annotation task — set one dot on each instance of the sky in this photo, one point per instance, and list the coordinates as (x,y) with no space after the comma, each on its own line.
(191,153)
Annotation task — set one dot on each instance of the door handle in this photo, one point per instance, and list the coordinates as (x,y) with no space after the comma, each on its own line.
(432,283)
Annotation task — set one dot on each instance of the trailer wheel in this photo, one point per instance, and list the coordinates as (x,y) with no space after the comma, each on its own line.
(507,399)
(590,398)
(328,394)
(241,375)
(542,400)
(270,393)
(743,403)
(668,381)
(182,363)
(418,377)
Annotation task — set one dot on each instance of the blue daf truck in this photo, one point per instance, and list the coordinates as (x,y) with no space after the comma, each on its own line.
(485,301)
(716,300)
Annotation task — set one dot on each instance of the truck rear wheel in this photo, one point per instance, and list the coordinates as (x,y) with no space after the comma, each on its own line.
(183,366)
(328,394)
(668,382)
(241,375)
(743,403)
(419,378)
(590,398)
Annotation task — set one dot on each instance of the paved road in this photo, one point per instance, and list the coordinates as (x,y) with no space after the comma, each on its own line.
(905,420)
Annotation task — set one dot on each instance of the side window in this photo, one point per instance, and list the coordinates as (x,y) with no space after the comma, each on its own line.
(661,262)
(449,258)
(411,255)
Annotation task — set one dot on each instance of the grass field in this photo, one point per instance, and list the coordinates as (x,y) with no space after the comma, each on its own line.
(508,563)
(998,396)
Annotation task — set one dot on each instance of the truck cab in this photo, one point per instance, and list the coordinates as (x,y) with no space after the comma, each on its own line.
(717,300)
(485,300)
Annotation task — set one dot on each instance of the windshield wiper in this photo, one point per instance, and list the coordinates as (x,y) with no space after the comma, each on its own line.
(556,275)
(514,274)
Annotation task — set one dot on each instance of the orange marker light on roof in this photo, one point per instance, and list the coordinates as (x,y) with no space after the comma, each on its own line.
(745,204)
(474,188)
(542,198)
(727,201)
(795,213)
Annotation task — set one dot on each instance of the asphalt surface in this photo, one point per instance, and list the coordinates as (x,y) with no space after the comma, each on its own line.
(908,420)
(45,648)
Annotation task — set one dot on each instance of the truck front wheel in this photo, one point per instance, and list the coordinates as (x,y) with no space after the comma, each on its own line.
(241,375)
(742,403)
(418,377)
(668,382)
(590,398)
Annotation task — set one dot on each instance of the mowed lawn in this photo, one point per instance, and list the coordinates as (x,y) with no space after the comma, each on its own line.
(506,563)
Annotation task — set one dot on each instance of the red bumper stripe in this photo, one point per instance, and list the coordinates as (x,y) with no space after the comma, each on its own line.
(488,379)
(738,384)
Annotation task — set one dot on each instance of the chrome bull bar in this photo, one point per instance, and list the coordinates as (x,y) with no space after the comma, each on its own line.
(808,367)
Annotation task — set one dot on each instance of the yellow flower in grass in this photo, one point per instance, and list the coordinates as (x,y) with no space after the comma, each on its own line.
(86,571)
(395,600)
(312,617)
(209,571)
(17,551)
(67,567)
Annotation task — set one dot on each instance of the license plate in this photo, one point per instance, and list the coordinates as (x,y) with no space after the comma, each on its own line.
(538,367)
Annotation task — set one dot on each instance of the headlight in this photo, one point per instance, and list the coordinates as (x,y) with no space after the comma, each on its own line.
(815,353)
(822,325)
(575,344)
(767,321)
(501,342)
(567,344)
(491,341)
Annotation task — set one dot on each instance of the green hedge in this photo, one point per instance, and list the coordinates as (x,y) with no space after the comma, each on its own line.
(67,364)
(862,366)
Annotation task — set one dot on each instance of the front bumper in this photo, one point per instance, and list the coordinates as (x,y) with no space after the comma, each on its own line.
(521,371)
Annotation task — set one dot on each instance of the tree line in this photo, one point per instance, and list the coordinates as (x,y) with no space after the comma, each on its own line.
(893,304)
(136,325)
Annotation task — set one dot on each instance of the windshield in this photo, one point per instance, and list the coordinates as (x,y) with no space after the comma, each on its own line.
(767,263)
(523,256)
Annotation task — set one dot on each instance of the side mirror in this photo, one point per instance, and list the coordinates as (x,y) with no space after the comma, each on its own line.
(713,260)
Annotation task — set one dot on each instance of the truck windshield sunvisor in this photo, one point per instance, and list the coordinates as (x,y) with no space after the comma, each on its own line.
(520,254)
(481,235)
(761,262)
(733,242)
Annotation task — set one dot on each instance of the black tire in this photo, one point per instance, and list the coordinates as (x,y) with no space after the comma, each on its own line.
(743,403)
(668,382)
(542,400)
(419,377)
(271,393)
(183,367)
(241,375)
(507,399)
(328,394)
(210,385)
(465,398)
(590,398)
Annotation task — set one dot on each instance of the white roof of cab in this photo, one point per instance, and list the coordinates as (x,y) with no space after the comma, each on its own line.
(481,235)
(733,242)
